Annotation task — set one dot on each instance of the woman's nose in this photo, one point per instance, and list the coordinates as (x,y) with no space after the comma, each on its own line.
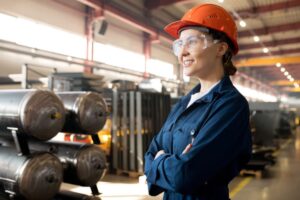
(184,51)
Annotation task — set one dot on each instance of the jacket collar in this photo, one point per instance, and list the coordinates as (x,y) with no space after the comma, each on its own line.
(224,85)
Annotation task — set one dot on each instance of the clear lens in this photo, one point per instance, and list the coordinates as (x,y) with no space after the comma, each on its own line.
(191,43)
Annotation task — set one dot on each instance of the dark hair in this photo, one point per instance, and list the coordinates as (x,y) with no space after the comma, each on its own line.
(229,68)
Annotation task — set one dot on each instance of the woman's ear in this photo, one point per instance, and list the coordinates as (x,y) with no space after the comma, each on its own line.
(222,48)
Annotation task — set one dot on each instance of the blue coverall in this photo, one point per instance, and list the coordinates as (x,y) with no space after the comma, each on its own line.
(219,124)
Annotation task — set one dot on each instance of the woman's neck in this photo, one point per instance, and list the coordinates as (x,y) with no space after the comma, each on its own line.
(209,81)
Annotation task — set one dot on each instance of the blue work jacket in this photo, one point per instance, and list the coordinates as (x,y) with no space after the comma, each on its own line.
(218,124)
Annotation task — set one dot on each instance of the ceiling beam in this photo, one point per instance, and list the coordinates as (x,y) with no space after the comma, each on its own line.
(140,24)
(274,43)
(284,83)
(154,4)
(256,62)
(244,13)
(247,13)
(273,53)
(272,29)
(291,89)
(269,68)
(99,5)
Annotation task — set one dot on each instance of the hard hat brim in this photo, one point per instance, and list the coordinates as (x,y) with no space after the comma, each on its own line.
(174,27)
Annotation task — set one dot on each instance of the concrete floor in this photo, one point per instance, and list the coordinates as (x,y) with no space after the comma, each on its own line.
(281,181)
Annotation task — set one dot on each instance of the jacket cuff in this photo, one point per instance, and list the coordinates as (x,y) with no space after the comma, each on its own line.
(153,173)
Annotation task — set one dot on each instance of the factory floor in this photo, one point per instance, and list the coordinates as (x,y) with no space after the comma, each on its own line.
(281,181)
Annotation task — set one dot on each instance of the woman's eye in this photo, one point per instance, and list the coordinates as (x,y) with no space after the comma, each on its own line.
(180,44)
(192,41)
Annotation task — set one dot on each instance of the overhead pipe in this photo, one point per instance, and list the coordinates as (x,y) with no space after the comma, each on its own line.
(248,12)
(271,29)
(244,13)
(116,13)
(270,43)
(109,9)
(150,4)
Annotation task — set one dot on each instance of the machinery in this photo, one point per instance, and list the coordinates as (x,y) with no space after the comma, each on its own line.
(36,113)
(33,177)
(83,164)
(85,112)
(33,169)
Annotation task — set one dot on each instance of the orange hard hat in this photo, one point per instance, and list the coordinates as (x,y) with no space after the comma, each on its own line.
(210,16)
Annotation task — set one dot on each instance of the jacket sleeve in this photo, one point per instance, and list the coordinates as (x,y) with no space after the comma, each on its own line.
(223,138)
(154,147)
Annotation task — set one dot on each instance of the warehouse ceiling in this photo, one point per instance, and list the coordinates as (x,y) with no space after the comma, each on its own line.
(275,22)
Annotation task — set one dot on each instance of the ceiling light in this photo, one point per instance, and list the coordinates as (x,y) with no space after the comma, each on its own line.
(256,39)
(16,77)
(220,1)
(286,73)
(289,76)
(282,69)
(278,64)
(292,79)
(265,50)
(243,23)
(296,85)
(69,58)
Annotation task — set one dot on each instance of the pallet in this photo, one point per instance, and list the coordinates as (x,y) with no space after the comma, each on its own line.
(131,174)
(256,173)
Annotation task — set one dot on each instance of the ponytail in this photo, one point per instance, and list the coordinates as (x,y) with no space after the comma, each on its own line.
(229,68)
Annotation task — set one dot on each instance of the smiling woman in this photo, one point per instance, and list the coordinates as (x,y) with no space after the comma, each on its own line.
(206,140)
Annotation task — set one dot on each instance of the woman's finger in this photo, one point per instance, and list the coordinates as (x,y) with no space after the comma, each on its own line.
(187,148)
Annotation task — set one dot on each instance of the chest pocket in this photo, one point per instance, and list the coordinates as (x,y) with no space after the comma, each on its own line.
(175,139)
(177,136)
(182,136)
(167,138)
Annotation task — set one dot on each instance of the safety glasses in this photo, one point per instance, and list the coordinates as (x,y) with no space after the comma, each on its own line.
(192,43)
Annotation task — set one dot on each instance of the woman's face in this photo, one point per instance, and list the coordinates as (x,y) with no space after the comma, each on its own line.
(197,53)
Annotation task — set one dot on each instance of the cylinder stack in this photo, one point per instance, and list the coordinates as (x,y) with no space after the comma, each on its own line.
(33,177)
(36,113)
(85,112)
(32,168)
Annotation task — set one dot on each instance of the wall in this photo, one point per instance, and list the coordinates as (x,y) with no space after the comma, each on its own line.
(69,16)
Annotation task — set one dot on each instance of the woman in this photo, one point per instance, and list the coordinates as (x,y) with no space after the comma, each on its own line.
(206,138)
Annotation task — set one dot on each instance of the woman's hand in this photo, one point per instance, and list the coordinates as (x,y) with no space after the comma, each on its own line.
(187,148)
(160,152)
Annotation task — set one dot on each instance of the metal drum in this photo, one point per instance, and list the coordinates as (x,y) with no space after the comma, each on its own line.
(34,177)
(86,112)
(37,113)
(84,164)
